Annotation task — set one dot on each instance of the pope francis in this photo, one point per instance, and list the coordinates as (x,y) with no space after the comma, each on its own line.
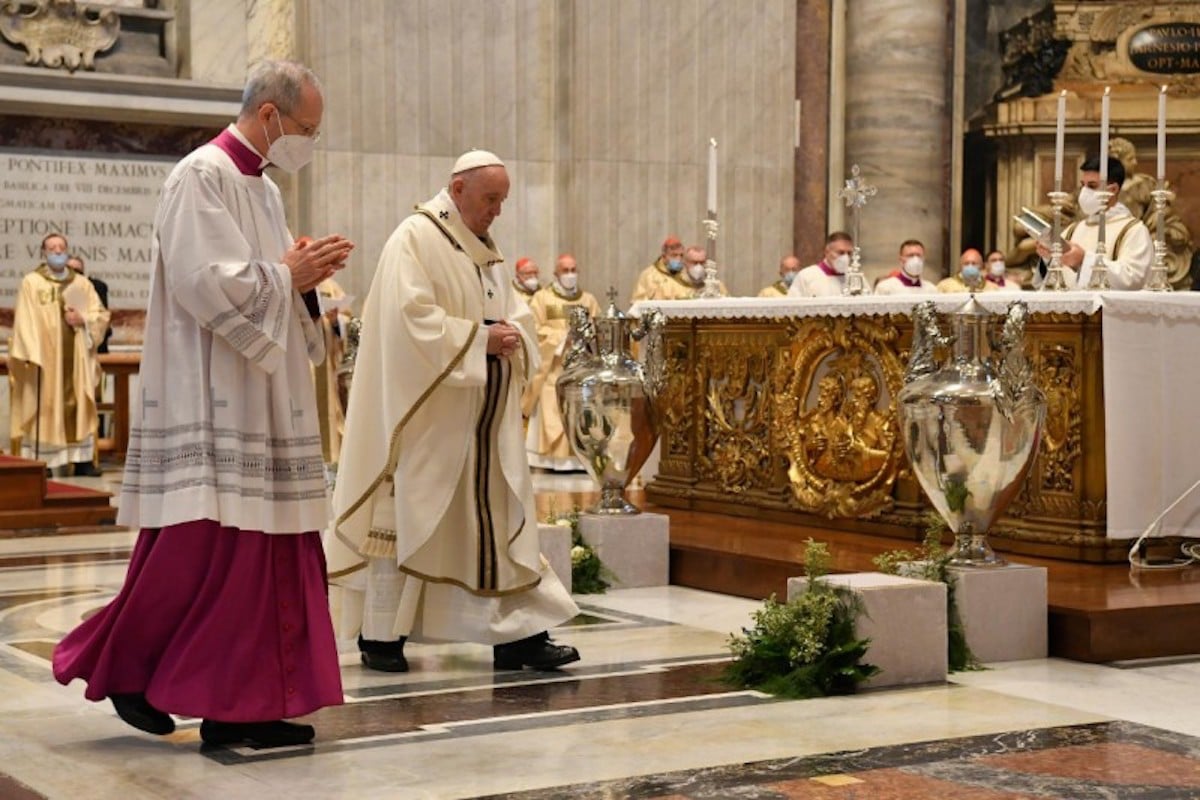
(435,532)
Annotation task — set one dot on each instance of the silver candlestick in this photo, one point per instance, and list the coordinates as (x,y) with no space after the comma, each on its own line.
(1157,281)
(712,286)
(1099,279)
(855,193)
(1055,282)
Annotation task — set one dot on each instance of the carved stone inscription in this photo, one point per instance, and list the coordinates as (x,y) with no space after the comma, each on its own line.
(103,205)
(1166,49)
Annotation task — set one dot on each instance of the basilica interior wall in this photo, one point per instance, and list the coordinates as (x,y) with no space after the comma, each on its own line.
(601,110)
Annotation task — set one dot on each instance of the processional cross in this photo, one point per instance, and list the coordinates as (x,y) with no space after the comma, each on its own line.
(855,193)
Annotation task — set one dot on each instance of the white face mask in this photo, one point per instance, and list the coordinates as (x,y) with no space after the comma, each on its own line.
(841,264)
(530,283)
(291,152)
(1090,202)
(996,268)
(914,266)
(568,280)
(696,272)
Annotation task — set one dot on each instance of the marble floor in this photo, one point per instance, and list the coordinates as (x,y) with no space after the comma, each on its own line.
(642,715)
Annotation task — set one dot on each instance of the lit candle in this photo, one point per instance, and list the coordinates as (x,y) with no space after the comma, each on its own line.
(1104,137)
(1162,135)
(712,176)
(1058,140)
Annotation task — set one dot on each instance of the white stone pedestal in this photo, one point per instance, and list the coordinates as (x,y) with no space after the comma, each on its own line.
(904,618)
(1003,610)
(555,543)
(634,547)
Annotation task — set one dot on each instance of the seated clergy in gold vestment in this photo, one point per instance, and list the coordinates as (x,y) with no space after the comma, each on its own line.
(58,324)
(788,267)
(546,440)
(335,317)
(666,279)
(526,280)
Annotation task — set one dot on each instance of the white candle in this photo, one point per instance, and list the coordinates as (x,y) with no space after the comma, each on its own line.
(1104,104)
(1162,134)
(1058,140)
(712,176)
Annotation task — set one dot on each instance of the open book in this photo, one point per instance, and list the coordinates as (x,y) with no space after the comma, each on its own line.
(1040,229)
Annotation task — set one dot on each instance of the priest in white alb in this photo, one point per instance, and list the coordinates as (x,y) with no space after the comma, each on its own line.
(435,534)
(223,615)
(1128,244)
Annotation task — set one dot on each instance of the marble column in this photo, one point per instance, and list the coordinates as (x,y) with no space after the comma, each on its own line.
(897,125)
(271,29)
(809,223)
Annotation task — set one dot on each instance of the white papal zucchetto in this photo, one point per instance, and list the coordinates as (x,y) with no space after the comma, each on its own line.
(474,159)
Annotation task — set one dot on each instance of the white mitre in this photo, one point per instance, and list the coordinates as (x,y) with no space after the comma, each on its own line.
(474,159)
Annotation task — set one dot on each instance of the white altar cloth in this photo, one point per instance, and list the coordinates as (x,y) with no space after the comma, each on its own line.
(1151,378)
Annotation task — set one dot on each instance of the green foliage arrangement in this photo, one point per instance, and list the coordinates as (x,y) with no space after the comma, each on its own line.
(806,647)
(931,562)
(588,573)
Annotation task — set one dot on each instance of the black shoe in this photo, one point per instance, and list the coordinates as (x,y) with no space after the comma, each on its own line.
(137,711)
(383,656)
(263,734)
(535,652)
(86,469)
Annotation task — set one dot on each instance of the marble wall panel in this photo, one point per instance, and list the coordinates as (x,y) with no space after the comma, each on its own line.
(217,51)
(602,111)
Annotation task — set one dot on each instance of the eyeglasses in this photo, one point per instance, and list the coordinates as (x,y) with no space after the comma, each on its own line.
(305,130)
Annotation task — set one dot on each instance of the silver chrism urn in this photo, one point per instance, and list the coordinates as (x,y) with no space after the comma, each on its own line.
(607,398)
(971,423)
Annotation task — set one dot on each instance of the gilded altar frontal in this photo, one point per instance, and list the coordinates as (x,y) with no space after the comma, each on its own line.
(797,419)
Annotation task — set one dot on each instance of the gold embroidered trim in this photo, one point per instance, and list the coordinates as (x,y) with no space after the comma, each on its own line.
(477,592)
(393,454)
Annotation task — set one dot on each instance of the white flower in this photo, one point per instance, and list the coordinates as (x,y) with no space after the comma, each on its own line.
(578,554)
(563,521)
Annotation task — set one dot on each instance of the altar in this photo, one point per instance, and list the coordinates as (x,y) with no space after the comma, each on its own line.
(785,409)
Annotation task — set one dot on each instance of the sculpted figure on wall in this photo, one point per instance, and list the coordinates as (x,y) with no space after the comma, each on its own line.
(1135,194)
(57,33)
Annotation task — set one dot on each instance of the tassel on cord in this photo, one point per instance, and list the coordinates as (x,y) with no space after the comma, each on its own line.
(380,543)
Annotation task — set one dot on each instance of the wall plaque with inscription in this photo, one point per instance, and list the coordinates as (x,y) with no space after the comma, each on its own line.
(1168,49)
(104,205)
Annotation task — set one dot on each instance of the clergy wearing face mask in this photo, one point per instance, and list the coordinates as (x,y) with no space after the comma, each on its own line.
(827,277)
(1129,246)
(694,259)
(789,267)
(58,325)
(908,278)
(525,279)
(994,273)
(224,613)
(971,275)
(545,441)
(666,278)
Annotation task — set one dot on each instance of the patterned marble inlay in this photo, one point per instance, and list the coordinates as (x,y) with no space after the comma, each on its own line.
(1105,761)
